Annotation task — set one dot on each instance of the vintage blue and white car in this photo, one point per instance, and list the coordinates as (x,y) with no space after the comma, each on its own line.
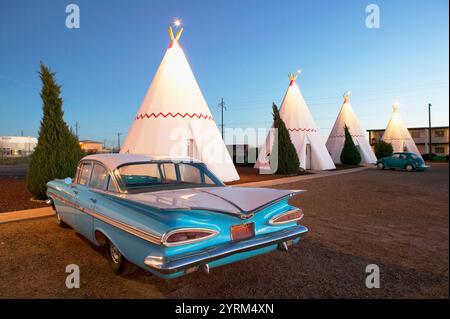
(171,216)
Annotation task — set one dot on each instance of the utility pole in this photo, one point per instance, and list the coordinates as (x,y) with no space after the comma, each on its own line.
(429,132)
(118,141)
(222,107)
(76,129)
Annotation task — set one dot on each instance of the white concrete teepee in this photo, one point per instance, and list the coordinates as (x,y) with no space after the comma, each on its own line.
(398,135)
(174,119)
(336,140)
(305,136)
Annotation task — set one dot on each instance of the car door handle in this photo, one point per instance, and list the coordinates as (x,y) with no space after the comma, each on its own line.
(93,200)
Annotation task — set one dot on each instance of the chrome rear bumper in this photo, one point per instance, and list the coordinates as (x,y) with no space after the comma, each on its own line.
(186,261)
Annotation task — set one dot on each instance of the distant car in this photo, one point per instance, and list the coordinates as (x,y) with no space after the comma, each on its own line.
(171,216)
(403,160)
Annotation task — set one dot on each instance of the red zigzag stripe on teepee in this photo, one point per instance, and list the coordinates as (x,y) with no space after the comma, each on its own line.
(302,130)
(199,116)
(338,136)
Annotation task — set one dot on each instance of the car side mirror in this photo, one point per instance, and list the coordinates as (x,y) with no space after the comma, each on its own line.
(68,180)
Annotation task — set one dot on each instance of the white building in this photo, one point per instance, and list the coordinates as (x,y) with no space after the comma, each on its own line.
(16,146)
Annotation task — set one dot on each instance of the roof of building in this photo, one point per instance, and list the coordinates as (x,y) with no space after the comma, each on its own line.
(112,161)
(91,142)
(18,138)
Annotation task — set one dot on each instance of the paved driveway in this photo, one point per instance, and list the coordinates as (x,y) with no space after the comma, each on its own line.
(19,170)
(396,220)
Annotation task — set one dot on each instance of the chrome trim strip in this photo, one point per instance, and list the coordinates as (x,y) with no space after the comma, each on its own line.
(211,232)
(155,239)
(183,261)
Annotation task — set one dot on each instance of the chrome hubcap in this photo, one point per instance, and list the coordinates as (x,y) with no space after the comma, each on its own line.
(115,254)
(409,168)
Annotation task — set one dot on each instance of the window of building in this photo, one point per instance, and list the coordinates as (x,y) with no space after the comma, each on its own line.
(440,133)
(439,150)
(415,134)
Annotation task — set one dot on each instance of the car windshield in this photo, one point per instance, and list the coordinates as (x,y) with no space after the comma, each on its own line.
(141,177)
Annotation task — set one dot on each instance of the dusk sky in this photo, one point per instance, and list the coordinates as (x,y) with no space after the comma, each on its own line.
(238,50)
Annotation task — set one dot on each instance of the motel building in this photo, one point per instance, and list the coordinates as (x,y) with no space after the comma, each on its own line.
(17,146)
(92,147)
(439,139)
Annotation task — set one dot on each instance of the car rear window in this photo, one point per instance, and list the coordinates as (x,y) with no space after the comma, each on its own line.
(151,175)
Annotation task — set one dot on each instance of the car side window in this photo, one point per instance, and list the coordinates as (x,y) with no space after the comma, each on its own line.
(111,186)
(396,156)
(85,173)
(99,177)
(403,157)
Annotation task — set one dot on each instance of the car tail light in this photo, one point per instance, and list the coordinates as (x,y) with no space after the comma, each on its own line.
(187,236)
(242,231)
(287,217)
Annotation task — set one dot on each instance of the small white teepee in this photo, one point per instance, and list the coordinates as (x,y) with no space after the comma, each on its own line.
(336,140)
(303,131)
(174,119)
(398,135)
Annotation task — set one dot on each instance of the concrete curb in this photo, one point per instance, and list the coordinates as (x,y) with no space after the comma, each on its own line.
(21,215)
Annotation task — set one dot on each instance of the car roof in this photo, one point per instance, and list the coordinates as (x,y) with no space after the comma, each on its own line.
(114,160)
(406,153)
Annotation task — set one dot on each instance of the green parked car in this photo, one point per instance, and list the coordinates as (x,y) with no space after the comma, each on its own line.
(404,160)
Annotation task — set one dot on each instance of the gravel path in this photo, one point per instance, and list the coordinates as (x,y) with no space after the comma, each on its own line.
(397,220)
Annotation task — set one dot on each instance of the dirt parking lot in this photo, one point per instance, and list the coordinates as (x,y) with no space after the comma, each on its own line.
(396,220)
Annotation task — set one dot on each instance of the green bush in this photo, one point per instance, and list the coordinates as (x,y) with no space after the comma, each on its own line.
(288,162)
(350,154)
(58,150)
(383,149)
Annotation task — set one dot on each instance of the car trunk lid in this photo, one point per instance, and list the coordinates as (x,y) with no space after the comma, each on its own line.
(230,200)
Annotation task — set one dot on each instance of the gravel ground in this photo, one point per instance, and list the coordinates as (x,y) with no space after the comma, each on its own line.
(394,219)
(15,196)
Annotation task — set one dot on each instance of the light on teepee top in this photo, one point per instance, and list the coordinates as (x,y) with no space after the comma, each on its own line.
(177,22)
(395,106)
(293,76)
(347,96)
(177,25)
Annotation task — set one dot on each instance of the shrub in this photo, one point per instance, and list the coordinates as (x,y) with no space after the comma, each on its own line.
(58,150)
(350,154)
(383,149)
(288,162)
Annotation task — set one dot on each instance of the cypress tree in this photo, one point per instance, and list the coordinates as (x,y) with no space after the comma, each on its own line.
(288,162)
(350,154)
(383,149)
(58,150)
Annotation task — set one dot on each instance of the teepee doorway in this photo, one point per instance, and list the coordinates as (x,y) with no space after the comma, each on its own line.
(190,147)
(308,156)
